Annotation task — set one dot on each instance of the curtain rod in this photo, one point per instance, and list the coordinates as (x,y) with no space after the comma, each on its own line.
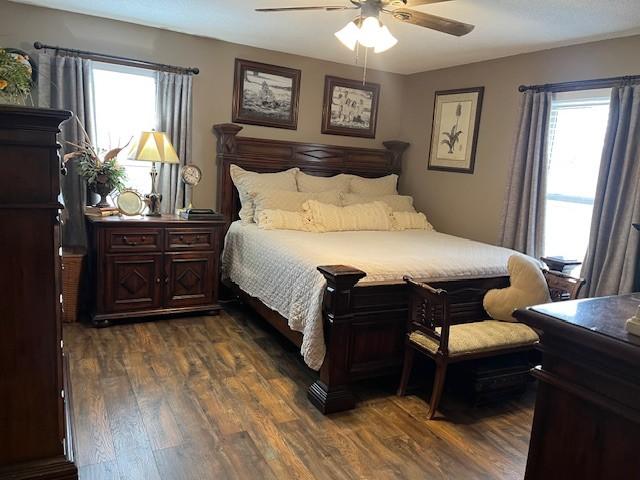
(132,62)
(581,84)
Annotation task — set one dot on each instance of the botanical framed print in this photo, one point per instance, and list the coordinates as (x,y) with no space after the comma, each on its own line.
(454,134)
(266,94)
(350,108)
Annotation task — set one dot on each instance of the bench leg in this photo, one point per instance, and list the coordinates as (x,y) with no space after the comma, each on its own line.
(438,386)
(406,370)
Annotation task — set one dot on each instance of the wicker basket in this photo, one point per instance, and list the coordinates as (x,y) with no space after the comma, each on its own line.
(72,270)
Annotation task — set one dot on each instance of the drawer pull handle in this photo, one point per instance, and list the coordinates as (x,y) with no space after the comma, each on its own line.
(166,279)
(157,279)
(181,238)
(127,242)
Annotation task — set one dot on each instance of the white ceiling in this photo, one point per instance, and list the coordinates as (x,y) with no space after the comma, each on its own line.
(503,27)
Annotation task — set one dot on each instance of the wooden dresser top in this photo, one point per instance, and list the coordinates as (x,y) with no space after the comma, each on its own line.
(144,220)
(597,323)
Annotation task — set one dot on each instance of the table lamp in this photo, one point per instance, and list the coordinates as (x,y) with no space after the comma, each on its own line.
(153,147)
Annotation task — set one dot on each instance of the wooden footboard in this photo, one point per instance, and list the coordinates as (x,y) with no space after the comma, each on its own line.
(364,327)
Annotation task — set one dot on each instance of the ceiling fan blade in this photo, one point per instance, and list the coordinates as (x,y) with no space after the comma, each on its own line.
(293,9)
(445,25)
(413,3)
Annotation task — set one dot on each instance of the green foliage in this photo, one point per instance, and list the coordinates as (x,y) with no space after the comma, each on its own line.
(15,77)
(107,172)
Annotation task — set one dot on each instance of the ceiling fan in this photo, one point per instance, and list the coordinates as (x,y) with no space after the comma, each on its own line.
(368,31)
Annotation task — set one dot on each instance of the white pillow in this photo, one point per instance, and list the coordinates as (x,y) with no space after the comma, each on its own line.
(374,186)
(366,216)
(313,183)
(398,203)
(290,201)
(247,182)
(283,220)
(410,221)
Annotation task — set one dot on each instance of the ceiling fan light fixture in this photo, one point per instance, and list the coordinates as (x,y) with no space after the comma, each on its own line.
(369,32)
(349,35)
(385,40)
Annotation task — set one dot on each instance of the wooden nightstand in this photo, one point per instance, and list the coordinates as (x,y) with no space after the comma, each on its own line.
(152,266)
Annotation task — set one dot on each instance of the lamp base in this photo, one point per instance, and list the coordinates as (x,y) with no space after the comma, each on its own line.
(153,203)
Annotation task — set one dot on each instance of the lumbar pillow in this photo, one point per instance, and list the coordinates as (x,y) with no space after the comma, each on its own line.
(290,201)
(247,182)
(410,221)
(283,220)
(374,186)
(367,216)
(314,184)
(398,203)
(528,287)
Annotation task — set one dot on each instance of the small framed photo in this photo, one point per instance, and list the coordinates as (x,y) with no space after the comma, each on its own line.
(266,94)
(350,108)
(454,134)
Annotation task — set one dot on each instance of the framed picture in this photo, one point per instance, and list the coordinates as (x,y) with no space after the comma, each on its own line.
(454,134)
(350,108)
(266,95)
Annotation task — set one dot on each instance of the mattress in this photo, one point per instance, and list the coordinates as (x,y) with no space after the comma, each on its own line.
(279,267)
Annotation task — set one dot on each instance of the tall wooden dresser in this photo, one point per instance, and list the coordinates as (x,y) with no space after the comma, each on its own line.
(34,438)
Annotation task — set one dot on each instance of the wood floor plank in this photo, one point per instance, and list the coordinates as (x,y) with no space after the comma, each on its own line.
(94,443)
(127,426)
(100,471)
(225,397)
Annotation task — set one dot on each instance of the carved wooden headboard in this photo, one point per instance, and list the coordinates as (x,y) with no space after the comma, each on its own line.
(264,155)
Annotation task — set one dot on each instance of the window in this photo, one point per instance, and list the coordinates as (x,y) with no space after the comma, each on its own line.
(577,127)
(125,103)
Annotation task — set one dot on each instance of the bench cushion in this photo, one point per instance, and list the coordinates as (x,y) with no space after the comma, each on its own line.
(477,337)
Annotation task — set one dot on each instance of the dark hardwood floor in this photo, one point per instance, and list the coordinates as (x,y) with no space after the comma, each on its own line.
(225,397)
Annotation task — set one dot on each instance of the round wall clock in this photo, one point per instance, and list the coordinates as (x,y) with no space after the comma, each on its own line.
(191,174)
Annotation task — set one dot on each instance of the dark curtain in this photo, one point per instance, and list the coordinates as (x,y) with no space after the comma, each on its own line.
(66,84)
(610,264)
(524,209)
(174,111)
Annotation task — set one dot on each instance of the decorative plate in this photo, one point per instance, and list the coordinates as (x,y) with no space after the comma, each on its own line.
(130,202)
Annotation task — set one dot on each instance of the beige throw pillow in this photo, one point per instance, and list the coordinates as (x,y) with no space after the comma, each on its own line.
(290,201)
(410,221)
(375,186)
(330,218)
(398,203)
(314,183)
(528,287)
(247,182)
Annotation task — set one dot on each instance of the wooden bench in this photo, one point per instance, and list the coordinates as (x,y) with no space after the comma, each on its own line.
(432,331)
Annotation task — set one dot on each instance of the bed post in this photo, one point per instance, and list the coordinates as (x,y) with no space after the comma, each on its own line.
(331,392)
(226,145)
(397,149)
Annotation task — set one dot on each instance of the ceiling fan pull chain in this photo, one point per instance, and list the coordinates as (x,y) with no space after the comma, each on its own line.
(364,73)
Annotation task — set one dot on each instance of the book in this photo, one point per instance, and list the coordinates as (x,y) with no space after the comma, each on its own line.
(90,209)
(101,213)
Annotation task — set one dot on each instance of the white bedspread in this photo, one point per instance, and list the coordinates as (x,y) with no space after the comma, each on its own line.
(279,267)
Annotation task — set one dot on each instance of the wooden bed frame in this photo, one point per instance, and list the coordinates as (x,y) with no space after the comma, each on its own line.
(364,325)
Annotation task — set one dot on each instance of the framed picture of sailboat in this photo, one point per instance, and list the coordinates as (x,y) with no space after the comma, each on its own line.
(266,94)
(454,134)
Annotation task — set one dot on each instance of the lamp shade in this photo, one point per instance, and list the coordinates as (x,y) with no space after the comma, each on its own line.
(153,147)
(385,40)
(349,35)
